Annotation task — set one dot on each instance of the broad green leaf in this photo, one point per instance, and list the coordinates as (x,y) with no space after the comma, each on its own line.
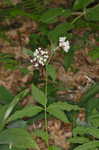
(17,124)
(81,23)
(28,111)
(58,114)
(93,13)
(81,4)
(18,138)
(94,132)
(41,133)
(14,12)
(95,122)
(63,106)
(59,31)
(92,104)
(89,94)
(80,130)
(5,95)
(94,119)
(94,53)
(85,130)
(78,139)
(3,109)
(2,113)
(38,95)
(28,52)
(88,146)
(50,16)
(54,148)
(16,99)
(7,147)
(51,72)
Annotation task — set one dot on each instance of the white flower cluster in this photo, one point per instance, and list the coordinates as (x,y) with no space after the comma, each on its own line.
(63,43)
(40,57)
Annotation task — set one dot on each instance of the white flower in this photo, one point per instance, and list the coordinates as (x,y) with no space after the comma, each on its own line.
(67,43)
(34,59)
(39,48)
(66,48)
(35,54)
(36,65)
(40,57)
(62,39)
(46,56)
(64,44)
(44,60)
(31,60)
(42,52)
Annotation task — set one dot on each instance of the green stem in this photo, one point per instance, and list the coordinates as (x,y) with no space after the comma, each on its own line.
(45,108)
(78,17)
(46,81)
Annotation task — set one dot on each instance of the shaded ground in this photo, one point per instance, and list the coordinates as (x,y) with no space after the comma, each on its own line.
(83,74)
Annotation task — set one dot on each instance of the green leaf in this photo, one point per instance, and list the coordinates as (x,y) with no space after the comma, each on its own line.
(58,114)
(5,95)
(18,138)
(51,72)
(78,140)
(94,53)
(89,94)
(93,13)
(60,30)
(28,111)
(28,52)
(7,147)
(88,146)
(92,104)
(42,134)
(81,23)
(17,124)
(50,16)
(38,95)
(63,106)
(85,130)
(54,148)
(94,119)
(16,99)
(14,12)
(2,111)
(81,4)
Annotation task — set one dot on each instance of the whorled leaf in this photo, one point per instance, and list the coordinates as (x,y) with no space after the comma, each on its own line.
(18,138)
(93,13)
(16,99)
(86,130)
(38,95)
(81,4)
(92,145)
(63,106)
(28,111)
(56,112)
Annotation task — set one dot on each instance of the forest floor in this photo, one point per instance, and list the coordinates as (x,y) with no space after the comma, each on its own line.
(80,81)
